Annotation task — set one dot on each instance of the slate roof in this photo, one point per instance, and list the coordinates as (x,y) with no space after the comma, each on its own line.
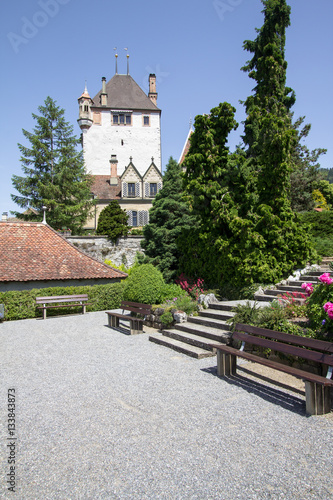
(103,190)
(124,93)
(32,251)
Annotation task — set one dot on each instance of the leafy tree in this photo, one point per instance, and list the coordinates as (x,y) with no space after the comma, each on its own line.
(54,172)
(168,216)
(306,172)
(112,221)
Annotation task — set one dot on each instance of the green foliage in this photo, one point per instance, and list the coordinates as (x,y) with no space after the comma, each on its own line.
(326,189)
(169,291)
(320,226)
(144,285)
(54,173)
(22,304)
(112,221)
(321,294)
(185,303)
(246,314)
(168,216)
(248,232)
(166,319)
(305,174)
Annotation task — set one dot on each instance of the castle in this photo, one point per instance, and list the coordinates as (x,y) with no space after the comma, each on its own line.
(121,140)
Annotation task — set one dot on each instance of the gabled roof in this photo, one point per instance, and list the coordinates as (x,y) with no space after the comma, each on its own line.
(33,251)
(152,166)
(124,93)
(186,147)
(130,166)
(102,188)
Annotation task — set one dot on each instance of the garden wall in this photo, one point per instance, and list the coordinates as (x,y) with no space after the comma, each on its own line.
(99,247)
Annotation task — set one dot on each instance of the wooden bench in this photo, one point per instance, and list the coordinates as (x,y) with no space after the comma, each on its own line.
(136,323)
(62,301)
(317,387)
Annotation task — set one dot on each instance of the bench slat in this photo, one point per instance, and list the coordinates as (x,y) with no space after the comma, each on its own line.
(285,348)
(124,317)
(296,372)
(320,345)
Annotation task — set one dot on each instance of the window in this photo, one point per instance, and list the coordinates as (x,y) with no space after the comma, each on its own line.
(146,121)
(97,117)
(134,218)
(131,189)
(153,189)
(121,119)
(86,108)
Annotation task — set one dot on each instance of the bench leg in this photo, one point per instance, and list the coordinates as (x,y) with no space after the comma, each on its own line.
(136,327)
(83,309)
(113,321)
(226,364)
(318,398)
(44,313)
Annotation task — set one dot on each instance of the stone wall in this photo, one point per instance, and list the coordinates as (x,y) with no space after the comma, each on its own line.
(99,247)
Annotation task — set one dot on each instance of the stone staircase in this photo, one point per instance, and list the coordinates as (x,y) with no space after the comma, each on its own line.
(294,285)
(198,334)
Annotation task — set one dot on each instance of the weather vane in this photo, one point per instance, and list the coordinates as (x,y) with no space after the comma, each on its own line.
(116,56)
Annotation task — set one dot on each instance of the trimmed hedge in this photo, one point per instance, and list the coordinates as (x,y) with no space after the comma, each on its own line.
(22,304)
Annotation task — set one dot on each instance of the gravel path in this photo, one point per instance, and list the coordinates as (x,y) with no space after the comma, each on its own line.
(104,415)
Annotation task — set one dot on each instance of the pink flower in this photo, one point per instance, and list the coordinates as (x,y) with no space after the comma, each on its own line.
(328,306)
(325,278)
(330,313)
(308,288)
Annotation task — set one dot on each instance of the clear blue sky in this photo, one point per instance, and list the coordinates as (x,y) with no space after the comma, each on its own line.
(50,47)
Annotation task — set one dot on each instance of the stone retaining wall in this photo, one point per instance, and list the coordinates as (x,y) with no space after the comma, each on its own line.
(99,247)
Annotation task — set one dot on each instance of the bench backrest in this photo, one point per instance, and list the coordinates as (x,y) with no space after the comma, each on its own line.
(136,307)
(285,343)
(61,298)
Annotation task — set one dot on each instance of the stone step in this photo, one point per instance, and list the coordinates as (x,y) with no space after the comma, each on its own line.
(216,314)
(290,288)
(192,339)
(176,345)
(228,305)
(220,335)
(209,322)
(264,299)
(299,283)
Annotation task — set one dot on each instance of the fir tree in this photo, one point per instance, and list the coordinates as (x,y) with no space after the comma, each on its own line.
(112,221)
(54,172)
(168,217)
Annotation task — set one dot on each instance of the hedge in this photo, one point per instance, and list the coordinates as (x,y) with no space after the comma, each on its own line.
(22,304)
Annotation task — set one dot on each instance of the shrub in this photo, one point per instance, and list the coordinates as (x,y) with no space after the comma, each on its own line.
(316,313)
(166,319)
(170,291)
(144,285)
(113,221)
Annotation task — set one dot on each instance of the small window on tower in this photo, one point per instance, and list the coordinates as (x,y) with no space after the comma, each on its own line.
(128,120)
(86,108)
(146,121)
(115,119)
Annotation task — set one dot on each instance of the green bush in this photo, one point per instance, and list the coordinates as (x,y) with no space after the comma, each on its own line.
(170,291)
(144,285)
(113,221)
(166,319)
(22,304)
(319,319)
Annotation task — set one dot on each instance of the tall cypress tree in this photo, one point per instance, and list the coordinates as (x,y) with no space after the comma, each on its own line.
(168,217)
(54,172)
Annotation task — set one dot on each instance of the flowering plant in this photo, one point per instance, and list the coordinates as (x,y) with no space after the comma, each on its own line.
(325,278)
(193,287)
(308,288)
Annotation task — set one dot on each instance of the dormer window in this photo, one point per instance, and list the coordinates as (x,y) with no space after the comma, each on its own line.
(131,189)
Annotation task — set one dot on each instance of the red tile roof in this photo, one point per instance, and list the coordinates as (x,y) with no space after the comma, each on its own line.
(101,187)
(32,251)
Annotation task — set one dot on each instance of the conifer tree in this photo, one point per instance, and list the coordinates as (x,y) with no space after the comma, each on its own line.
(168,217)
(112,221)
(54,172)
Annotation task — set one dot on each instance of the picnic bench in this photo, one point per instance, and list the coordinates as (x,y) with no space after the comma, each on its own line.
(56,301)
(136,322)
(317,386)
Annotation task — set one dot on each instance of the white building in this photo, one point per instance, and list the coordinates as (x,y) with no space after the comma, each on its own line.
(121,139)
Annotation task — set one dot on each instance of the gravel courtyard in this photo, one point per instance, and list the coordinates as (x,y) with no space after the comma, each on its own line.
(103,415)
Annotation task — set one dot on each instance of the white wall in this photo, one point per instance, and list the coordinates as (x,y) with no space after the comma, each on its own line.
(140,142)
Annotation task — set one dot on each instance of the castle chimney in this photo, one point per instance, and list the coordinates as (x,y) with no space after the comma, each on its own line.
(104,96)
(152,88)
(4,216)
(113,167)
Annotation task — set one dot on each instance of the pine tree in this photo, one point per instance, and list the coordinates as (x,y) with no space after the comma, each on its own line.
(112,221)
(168,217)
(54,172)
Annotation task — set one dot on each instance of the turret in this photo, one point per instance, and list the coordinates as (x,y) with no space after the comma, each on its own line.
(152,89)
(85,102)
